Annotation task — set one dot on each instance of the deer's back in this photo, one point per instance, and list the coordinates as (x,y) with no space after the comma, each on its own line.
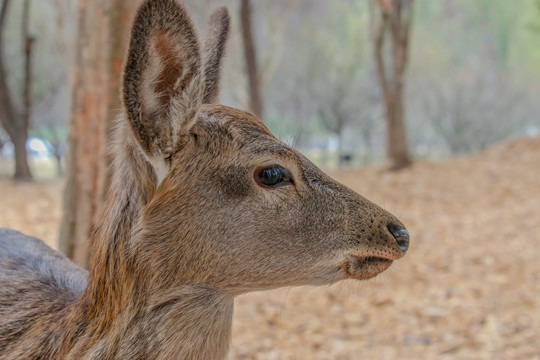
(37,284)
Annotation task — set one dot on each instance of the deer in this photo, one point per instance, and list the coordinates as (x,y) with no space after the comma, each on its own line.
(204,205)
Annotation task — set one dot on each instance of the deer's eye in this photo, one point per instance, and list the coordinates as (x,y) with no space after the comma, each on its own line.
(272,176)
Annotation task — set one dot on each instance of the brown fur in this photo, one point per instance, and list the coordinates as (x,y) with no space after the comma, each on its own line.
(214,48)
(186,227)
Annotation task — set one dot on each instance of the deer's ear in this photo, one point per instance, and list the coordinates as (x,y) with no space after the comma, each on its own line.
(214,48)
(163,84)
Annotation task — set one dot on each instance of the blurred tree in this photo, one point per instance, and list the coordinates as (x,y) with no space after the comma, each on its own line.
(102,37)
(51,90)
(391,22)
(255,101)
(342,99)
(85,190)
(53,128)
(470,110)
(336,113)
(119,18)
(16,121)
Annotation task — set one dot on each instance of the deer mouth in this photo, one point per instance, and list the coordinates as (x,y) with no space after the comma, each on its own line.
(365,267)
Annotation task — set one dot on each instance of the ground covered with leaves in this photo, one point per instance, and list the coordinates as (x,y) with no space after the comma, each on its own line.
(469,287)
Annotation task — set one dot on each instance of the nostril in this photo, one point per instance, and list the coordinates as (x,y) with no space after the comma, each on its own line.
(401,235)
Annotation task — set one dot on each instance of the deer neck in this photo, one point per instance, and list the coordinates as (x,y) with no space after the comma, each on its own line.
(189,322)
(111,278)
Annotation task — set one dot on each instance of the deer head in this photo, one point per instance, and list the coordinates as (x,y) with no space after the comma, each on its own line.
(233,207)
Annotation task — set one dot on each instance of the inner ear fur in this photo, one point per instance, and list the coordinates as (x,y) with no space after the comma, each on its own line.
(163,85)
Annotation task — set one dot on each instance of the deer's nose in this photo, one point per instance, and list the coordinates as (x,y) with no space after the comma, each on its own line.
(401,235)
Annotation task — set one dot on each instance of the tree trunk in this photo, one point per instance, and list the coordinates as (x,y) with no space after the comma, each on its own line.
(392,20)
(397,138)
(255,101)
(397,149)
(84,194)
(14,122)
(59,168)
(102,40)
(119,17)
(22,170)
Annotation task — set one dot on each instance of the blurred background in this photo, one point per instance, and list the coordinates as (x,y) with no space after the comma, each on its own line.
(429,108)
